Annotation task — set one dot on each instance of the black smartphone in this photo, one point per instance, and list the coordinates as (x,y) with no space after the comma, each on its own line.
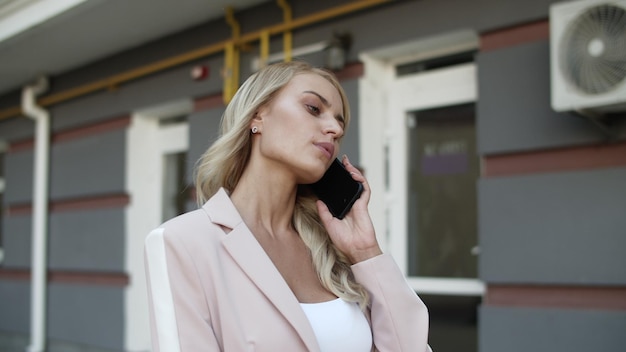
(337,189)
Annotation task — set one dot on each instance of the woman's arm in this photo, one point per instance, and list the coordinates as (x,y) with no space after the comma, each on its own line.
(399,317)
(179,316)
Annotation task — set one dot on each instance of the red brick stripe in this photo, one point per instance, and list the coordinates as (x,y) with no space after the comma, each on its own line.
(511,36)
(352,70)
(208,102)
(86,203)
(91,278)
(121,122)
(70,277)
(577,297)
(565,159)
(76,132)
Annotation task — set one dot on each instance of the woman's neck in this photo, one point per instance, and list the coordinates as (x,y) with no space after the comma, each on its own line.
(265,200)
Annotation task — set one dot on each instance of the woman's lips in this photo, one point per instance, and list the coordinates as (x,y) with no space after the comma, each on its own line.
(328,148)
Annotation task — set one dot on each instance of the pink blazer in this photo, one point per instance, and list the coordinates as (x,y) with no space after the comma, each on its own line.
(211,287)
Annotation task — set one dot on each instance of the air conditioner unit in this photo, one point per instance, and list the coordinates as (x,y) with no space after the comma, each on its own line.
(588,56)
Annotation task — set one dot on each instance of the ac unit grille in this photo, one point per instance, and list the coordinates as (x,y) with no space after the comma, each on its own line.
(593,49)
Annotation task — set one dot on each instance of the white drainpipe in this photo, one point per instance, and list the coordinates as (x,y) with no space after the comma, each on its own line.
(40,213)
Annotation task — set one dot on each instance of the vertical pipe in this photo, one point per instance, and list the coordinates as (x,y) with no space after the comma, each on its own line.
(228,91)
(232,56)
(40,214)
(287,36)
(265,48)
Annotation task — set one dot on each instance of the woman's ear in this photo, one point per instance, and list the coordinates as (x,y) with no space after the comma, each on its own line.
(257,117)
(260,113)
(256,122)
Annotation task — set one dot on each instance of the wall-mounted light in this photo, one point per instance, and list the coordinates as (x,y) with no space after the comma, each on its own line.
(199,72)
(337,51)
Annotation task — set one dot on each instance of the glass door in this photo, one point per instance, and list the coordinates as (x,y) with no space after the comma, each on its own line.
(443,168)
(433,169)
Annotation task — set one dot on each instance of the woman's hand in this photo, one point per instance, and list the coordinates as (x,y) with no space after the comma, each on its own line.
(354,235)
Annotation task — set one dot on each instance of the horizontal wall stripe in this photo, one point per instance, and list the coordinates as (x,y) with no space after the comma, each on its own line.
(93,278)
(21,145)
(85,203)
(70,277)
(577,297)
(352,70)
(14,274)
(208,102)
(556,160)
(76,132)
(515,35)
(92,129)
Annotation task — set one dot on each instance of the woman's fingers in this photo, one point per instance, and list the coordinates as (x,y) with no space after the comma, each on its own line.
(357,175)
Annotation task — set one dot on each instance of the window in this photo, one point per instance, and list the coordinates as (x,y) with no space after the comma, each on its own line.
(443,170)
(175,188)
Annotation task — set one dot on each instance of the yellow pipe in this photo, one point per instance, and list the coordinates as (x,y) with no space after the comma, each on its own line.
(287,46)
(265,48)
(232,22)
(231,58)
(314,18)
(10,112)
(287,37)
(228,90)
(193,55)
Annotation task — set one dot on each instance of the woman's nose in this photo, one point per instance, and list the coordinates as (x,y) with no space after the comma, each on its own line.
(333,126)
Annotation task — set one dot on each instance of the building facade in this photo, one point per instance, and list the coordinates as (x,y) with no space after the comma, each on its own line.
(506,216)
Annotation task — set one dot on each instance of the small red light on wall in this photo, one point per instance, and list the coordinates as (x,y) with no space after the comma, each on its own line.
(199,73)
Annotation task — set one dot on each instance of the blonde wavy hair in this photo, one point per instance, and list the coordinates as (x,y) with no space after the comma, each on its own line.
(224,161)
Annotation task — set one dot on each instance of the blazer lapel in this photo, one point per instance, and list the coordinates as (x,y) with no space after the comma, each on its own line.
(252,259)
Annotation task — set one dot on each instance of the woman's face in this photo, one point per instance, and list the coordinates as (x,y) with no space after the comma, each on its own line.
(301,127)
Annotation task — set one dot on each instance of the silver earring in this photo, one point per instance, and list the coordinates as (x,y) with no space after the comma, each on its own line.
(255,130)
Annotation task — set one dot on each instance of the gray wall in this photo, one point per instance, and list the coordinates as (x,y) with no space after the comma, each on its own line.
(79,167)
(555,228)
(87,240)
(549,228)
(80,317)
(87,315)
(15,306)
(551,330)
(514,110)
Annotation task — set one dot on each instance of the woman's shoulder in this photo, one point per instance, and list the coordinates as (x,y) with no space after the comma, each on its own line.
(205,222)
(202,215)
(188,227)
(186,220)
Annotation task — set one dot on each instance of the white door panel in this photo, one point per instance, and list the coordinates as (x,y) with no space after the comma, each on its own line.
(385,152)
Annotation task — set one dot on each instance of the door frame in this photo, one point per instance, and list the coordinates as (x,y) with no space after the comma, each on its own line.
(147,142)
(385,104)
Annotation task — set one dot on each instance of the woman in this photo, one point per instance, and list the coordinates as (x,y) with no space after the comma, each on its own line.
(263,265)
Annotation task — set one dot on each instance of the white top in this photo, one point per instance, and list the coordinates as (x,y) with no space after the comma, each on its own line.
(339,326)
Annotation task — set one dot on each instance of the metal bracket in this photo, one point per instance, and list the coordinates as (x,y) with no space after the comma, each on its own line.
(606,124)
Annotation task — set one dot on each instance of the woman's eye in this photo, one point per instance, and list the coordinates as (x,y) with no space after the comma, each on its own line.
(313,109)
